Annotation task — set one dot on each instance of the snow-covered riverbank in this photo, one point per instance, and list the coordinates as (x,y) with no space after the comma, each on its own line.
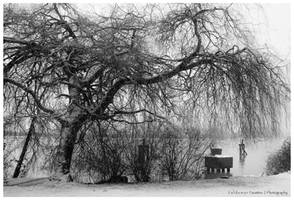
(277,185)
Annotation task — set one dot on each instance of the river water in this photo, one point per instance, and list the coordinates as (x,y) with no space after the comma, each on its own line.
(257,153)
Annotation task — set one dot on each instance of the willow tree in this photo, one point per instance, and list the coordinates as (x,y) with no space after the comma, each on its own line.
(133,60)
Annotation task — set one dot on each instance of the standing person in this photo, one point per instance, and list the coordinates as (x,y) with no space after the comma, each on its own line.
(242,150)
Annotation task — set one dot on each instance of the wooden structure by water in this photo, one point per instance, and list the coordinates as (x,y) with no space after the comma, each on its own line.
(217,162)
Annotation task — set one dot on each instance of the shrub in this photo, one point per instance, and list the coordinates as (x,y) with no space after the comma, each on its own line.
(144,167)
(182,153)
(280,161)
(98,156)
(105,154)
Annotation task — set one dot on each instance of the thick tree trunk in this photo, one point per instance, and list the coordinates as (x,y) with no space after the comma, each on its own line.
(69,131)
(24,149)
(66,146)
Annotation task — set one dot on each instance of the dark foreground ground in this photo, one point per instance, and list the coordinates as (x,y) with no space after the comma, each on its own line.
(278,185)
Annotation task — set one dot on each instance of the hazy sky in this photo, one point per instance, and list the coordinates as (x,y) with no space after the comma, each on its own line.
(275,28)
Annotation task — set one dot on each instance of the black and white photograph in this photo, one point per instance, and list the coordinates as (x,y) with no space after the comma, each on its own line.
(146,99)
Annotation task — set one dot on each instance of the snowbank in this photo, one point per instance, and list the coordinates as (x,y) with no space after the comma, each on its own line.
(278,185)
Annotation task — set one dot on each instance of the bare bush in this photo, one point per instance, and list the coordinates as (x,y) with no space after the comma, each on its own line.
(98,155)
(280,161)
(144,167)
(106,153)
(182,153)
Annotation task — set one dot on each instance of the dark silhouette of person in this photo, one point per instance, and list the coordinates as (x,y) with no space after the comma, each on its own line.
(243,152)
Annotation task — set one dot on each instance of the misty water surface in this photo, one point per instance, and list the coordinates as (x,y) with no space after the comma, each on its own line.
(258,152)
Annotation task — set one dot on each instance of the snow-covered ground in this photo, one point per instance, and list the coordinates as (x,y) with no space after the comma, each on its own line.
(278,185)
